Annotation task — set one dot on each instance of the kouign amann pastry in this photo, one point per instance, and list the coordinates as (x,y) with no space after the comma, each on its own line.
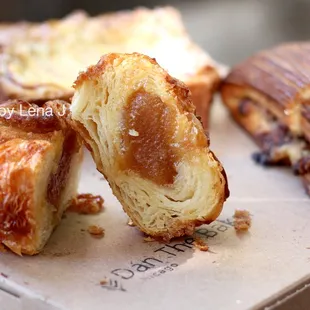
(269,95)
(139,124)
(40,160)
(40,61)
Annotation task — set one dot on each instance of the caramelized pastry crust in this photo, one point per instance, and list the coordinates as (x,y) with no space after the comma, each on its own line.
(40,61)
(269,95)
(140,126)
(277,79)
(39,164)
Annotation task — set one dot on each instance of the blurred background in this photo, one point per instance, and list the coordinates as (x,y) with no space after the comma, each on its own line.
(229,30)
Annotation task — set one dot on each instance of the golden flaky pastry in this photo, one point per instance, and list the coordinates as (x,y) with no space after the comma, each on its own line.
(40,61)
(268,95)
(39,166)
(140,127)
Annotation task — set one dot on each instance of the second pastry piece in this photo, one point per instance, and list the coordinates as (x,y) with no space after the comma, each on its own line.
(40,161)
(266,94)
(140,126)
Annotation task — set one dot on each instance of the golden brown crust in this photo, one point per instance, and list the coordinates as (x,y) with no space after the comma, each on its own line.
(16,190)
(93,72)
(149,117)
(146,31)
(37,157)
(267,95)
(278,79)
(279,73)
(202,88)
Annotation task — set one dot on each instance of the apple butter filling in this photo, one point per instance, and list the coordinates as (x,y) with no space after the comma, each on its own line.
(58,180)
(148,130)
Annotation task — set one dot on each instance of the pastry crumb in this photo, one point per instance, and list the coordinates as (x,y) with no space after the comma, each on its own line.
(96,231)
(104,282)
(87,204)
(3,275)
(201,244)
(148,239)
(130,223)
(242,220)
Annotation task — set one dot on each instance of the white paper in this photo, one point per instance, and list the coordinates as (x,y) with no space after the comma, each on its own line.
(237,273)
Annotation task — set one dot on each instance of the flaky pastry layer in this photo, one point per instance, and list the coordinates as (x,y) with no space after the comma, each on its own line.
(39,169)
(139,124)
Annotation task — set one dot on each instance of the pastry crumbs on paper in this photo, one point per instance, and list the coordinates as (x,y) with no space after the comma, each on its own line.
(242,220)
(148,239)
(130,223)
(201,244)
(104,282)
(87,204)
(96,231)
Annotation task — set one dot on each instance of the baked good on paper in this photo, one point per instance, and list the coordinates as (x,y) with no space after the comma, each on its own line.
(269,95)
(265,95)
(40,61)
(39,165)
(139,124)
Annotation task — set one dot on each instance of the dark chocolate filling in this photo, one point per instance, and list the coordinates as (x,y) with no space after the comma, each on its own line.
(270,140)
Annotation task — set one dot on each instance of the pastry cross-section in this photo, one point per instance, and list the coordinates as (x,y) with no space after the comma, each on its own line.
(139,124)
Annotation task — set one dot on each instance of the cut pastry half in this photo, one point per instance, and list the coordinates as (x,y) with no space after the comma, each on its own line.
(39,168)
(139,124)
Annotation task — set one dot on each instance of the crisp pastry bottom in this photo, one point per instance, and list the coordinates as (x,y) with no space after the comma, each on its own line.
(39,166)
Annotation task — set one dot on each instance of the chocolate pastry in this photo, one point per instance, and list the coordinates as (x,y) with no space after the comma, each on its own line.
(268,95)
